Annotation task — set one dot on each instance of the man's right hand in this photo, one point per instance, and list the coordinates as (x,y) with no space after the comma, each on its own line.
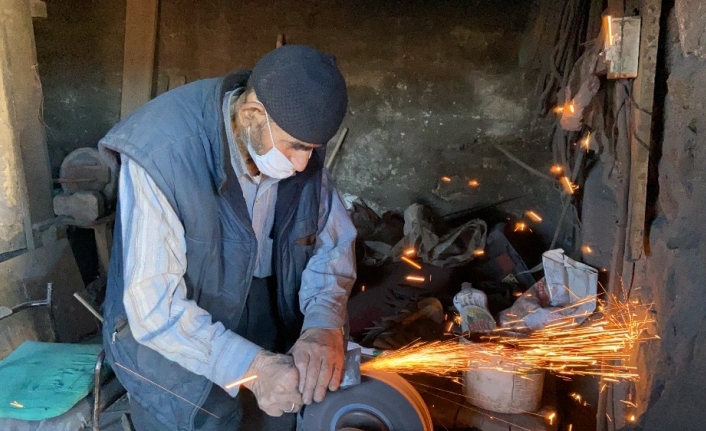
(276,386)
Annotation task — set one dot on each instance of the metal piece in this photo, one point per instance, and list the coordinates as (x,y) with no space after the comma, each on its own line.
(351,369)
(86,169)
(382,402)
(336,147)
(97,389)
(6,312)
(88,306)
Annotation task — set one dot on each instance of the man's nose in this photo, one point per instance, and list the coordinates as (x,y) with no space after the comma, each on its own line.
(300,159)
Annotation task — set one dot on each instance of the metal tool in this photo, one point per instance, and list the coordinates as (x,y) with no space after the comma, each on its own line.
(7,312)
(381,402)
(351,369)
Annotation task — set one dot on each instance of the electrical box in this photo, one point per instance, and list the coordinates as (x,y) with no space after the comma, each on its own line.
(621,45)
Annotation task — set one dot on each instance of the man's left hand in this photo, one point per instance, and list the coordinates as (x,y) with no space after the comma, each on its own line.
(318,355)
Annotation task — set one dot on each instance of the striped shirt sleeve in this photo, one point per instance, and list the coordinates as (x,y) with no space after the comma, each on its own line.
(161,316)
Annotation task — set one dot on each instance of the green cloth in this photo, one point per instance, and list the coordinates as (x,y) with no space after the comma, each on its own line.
(42,380)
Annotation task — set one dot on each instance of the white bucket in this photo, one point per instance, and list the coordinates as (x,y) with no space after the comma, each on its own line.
(505,392)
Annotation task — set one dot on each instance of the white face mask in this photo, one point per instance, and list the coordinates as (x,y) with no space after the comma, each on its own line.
(273,163)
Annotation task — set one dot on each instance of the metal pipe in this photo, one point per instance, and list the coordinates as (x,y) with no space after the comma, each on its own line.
(88,306)
(97,389)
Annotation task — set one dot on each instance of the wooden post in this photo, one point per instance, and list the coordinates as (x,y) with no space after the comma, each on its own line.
(643,91)
(25,176)
(138,57)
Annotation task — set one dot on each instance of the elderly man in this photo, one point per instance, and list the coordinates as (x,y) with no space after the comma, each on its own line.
(233,253)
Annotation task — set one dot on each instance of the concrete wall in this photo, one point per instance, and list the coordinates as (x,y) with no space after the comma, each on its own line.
(80,55)
(674,273)
(433,86)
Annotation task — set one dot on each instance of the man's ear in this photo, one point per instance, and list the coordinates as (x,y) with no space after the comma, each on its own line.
(250,114)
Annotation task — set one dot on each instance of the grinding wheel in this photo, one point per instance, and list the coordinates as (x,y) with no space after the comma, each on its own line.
(381,402)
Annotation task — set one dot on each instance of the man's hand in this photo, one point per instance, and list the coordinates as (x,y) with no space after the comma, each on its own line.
(318,355)
(276,385)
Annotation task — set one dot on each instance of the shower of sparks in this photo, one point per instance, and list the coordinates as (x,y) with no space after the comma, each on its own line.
(534,216)
(446,179)
(17,405)
(599,347)
(415,278)
(409,251)
(568,185)
(556,169)
(473,183)
(240,382)
(411,263)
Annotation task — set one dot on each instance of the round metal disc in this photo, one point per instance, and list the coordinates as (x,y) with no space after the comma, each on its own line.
(381,402)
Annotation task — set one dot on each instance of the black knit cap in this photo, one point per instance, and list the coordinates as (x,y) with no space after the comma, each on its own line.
(303,92)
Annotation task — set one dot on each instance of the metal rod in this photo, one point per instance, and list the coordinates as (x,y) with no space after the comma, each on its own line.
(88,306)
(334,152)
(97,389)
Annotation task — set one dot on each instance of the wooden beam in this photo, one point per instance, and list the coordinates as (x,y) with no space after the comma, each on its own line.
(139,50)
(25,175)
(643,91)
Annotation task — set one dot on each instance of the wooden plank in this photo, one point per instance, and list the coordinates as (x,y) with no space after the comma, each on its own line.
(640,139)
(139,50)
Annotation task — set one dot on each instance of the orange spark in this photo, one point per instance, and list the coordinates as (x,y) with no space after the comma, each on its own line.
(550,418)
(449,325)
(631,418)
(609,29)
(473,183)
(415,278)
(571,427)
(586,142)
(534,216)
(569,187)
(572,109)
(558,109)
(628,403)
(362,288)
(240,382)
(409,251)
(411,263)
(17,405)
(556,169)
(586,249)
(446,179)
(478,252)
(520,226)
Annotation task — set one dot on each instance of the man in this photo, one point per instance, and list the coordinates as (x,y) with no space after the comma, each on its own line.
(233,253)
